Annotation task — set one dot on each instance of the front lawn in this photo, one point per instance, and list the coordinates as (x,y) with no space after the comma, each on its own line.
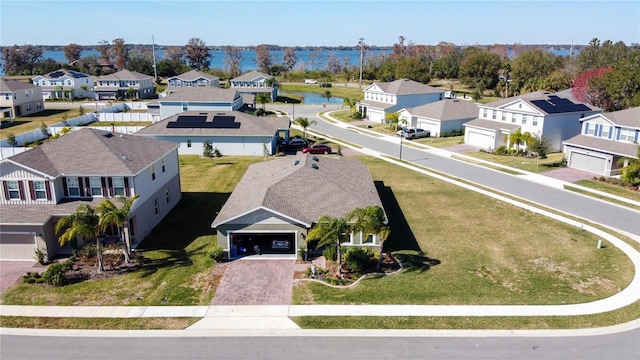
(534,165)
(629,193)
(24,124)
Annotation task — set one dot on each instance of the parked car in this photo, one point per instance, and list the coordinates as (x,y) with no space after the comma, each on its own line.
(296,144)
(318,149)
(416,133)
(310,81)
(403,130)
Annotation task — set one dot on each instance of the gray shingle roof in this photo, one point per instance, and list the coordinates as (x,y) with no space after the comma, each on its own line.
(62,73)
(491,125)
(194,75)
(250,125)
(603,145)
(201,93)
(125,75)
(448,109)
(406,87)
(536,98)
(39,213)
(14,85)
(628,117)
(251,75)
(89,152)
(338,186)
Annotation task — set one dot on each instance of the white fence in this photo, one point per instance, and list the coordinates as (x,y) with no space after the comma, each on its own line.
(5,152)
(115,117)
(119,129)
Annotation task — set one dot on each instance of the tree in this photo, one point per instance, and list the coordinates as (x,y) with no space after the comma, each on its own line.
(263,98)
(581,87)
(20,59)
(72,52)
(119,53)
(333,63)
(60,90)
(540,145)
(83,222)
(619,88)
(131,92)
(289,58)
(480,69)
(598,55)
(197,54)
(314,59)
(81,110)
(351,103)
(413,68)
(393,119)
(384,235)
(141,61)
(329,231)
(304,123)
(530,67)
(263,57)
(44,130)
(104,49)
(233,59)
(110,214)
(517,138)
(11,140)
(273,83)
(631,170)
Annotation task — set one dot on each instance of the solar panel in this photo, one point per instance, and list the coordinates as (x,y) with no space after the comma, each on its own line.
(56,74)
(200,122)
(191,118)
(556,105)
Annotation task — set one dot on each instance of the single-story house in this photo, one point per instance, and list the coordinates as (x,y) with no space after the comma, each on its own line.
(231,132)
(441,116)
(200,98)
(277,202)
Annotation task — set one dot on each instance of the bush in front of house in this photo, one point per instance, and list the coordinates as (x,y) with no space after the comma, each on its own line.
(54,275)
(358,259)
(216,254)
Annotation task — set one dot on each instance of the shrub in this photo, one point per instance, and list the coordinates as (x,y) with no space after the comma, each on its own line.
(88,251)
(357,259)
(217,253)
(216,152)
(330,253)
(40,256)
(502,150)
(54,275)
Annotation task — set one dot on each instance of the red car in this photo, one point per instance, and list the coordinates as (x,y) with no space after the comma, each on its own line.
(318,149)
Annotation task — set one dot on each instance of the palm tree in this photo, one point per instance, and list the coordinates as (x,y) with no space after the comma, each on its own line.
(351,103)
(304,123)
(131,92)
(393,120)
(329,231)
(263,98)
(83,222)
(384,235)
(273,82)
(516,138)
(631,170)
(85,89)
(110,214)
(60,89)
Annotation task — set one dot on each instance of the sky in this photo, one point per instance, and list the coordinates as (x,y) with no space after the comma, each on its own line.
(318,23)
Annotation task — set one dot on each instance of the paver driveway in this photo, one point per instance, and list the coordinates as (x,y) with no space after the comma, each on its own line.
(12,271)
(256,282)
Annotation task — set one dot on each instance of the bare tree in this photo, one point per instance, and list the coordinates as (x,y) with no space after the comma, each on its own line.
(333,63)
(289,58)
(174,53)
(72,52)
(119,53)
(263,57)
(313,59)
(103,48)
(233,60)
(197,54)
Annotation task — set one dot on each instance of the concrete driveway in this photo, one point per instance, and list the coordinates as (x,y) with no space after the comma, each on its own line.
(12,271)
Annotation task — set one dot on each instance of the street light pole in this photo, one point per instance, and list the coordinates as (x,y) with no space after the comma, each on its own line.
(401,136)
(361,43)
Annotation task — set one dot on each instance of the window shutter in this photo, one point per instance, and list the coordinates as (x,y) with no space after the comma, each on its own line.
(21,187)
(32,190)
(64,187)
(104,187)
(81,186)
(126,187)
(6,190)
(110,187)
(47,187)
(87,185)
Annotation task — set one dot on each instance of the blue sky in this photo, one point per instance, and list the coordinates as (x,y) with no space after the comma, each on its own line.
(314,23)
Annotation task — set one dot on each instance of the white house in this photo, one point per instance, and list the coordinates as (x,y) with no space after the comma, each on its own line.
(19,99)
(604,140)
(124,84)
(440,117)
(540,113)
(382,98)
(202,98)
(192,78)
(46,183)
(231,132)
(252,83)
(65,83)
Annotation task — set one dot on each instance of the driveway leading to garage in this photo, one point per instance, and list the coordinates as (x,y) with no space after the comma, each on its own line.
(12,271)
(256,281)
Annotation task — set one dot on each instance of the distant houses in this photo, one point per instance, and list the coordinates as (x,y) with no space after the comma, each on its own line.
(19,99)
(124,84)
(63,83)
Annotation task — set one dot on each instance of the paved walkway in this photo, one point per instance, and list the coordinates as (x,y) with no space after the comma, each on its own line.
(12,271)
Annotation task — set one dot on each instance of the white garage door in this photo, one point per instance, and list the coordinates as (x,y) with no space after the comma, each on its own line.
(17,246)
(588,163)
(376,116)
(479,139)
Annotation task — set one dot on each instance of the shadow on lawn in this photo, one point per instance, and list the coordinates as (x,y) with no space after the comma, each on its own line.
(401,237)
(416,262)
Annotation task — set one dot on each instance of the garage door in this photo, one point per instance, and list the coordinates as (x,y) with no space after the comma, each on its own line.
(376,116)
(17,247)
(588,163)
(265,243)
(479,139)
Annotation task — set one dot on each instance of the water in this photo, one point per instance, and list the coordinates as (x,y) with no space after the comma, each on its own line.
(315,99)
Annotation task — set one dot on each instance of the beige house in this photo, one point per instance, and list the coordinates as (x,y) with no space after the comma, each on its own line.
(19,99)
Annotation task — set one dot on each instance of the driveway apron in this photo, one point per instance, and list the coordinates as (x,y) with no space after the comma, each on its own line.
(256,282)
(12,271)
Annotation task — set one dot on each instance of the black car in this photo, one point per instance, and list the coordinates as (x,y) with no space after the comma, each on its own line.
(296,144)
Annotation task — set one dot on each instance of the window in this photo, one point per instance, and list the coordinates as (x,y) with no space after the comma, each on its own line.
(155,205)
(493,114)
(96,186)
(153,172)
(118,186)
(513,118)
(164,165)
(591,129)
(168,196)
(13,189)
(504,116)
(73,186)
(484,113)
(626,135)
(535,121)
(39,190)
(368,239)
(605,132)
(188,143)
(524,119)
(185,106)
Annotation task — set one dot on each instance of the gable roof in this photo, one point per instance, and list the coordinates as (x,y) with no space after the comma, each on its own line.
(406,87)
(204,123)
(125,75)
(94,152)
(627,117)
(194,75)
(447,109)
(251,75)
(63,73)
(7,85)
(301,192)
(546,102)
(491,125)
(603,145)
(201,93)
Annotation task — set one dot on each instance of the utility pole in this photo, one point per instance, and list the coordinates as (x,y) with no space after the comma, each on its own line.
(153,51)
(361,43)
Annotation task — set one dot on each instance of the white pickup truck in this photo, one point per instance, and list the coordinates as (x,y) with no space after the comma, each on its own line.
(310,81)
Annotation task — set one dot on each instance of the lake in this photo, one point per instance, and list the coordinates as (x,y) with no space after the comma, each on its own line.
(314,99)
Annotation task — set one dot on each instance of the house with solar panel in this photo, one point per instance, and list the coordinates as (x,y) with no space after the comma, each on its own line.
(63,83)
(19,99)
(605,139)
(540,113)
(46,183)
(253,83)
(124,84)
(383,98)
(192,78)
(231,132)
(201,98)
(440,117)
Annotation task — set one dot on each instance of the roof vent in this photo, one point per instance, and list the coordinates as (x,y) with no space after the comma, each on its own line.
(315,166)
(296,162)
(315,158)
(107,134)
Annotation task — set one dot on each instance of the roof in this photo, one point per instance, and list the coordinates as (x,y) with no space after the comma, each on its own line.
(94,152)
(628,117)
(546,102)
(62,73)
(216,123)
(290,186)
(201,93)
(7,85)
(125,75)
(194,75)
(448,109)
(251,75)
(406,87)
(29,214)
(604,145)
(491,125)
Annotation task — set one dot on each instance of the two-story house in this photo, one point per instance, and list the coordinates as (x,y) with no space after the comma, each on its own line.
(440,117)
(86,166)
(192,78)
(605,139)
(201,98)
(539,113)
(19,99)
(65,83)
(124,84)
(252,83)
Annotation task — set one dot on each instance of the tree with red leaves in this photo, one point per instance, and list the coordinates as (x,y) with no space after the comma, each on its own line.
(582,91)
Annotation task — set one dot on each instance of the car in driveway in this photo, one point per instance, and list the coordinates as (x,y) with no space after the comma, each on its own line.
(403,130)
(318,149)
(416,133)
(296,144)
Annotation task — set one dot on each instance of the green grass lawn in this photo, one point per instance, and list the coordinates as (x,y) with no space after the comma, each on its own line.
(34,122)
(336,91)
(629,193)
(533,165)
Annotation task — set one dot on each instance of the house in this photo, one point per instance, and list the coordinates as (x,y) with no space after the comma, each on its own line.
(440,117)
(46,183)
(124,84)
(192,78)
(276,203)
(539,113)
(252,83)
(19,99)
(65,83)
(204,98)
(231,132)
(382,98)
(604,140)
